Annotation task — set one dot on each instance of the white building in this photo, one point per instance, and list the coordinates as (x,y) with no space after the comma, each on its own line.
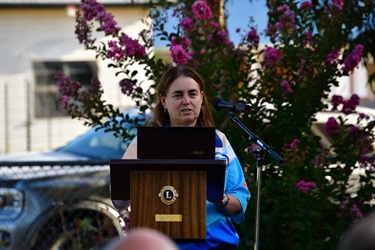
(36,39)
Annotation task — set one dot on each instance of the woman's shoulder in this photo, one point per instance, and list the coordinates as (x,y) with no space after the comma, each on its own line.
(221,139)
(220,134)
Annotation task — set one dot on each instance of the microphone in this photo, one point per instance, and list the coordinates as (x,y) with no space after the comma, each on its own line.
(223,105)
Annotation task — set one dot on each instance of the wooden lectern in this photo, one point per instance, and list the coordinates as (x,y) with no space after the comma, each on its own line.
(168,195)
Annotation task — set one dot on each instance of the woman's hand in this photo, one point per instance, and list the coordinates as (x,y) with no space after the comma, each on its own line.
(229,205)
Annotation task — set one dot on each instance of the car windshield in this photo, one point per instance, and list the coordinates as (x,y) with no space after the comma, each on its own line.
(102,145)
(98,145)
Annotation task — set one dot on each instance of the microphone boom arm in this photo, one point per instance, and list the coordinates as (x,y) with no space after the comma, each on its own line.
(254,138)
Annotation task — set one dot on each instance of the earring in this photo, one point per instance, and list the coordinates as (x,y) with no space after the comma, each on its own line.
(165,110)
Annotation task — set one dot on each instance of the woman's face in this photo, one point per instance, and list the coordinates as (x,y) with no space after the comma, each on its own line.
(183,102)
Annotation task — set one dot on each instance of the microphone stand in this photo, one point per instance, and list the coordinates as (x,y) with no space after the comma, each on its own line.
(259,155)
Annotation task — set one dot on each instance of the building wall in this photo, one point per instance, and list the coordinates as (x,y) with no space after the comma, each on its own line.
(32,34)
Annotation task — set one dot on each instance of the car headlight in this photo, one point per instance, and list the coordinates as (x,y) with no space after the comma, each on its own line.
(11,203)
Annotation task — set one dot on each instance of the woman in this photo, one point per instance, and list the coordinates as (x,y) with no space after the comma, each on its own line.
(182,103)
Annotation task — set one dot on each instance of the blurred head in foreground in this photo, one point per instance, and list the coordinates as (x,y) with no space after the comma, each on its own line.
(361,236)
(143,238)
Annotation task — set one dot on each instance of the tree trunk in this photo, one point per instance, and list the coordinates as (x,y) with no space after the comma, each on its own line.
(218,10)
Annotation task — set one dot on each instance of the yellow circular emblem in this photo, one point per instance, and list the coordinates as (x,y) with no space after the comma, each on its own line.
(168,195)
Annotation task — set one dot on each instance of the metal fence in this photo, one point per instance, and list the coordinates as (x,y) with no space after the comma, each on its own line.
(57,205)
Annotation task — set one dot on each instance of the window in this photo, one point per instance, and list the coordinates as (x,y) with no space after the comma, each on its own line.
(46,93)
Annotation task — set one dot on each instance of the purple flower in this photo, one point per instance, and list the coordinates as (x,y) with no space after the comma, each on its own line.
(83,31)
(344,203)
(214,24)
(95,86)
(66,87)
(350,105)
(108,25)
(115,52)
(353,59)
(283,8)
(333,57)
(182,40)
(287,20)
(64,100)
(338,3)
(179,55)
(238,30)
(332,127)
(271,31)
(354,211)
(186,24)
(306,5)
(127,87)
(286,88)
(353,130)
(336,101)
(308,39)
(222,36)
(132,47)
(305,187)
(362,116)
(201,10)
(294,143)
(271,56)
(92,10)
(252,37)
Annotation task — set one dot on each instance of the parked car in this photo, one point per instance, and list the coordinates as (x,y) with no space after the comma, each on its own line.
(60,199)
(92,145)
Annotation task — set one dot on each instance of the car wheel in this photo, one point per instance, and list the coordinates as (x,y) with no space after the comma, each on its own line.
(78,229)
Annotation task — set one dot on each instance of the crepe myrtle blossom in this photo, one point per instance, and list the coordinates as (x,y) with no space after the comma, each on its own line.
(353,59)
(333,58)
(339,4)
(355,212)
(115,52)
(187,24)
(184,41)
(214,24)
(306,5)
(201,10)
(66,87)
(252,37)
(83,31)
(222,36)
(332,127)
(336,100)
(271,57)
(286,88)
(92,10)
(308,39)
(294,143)
(64,100)
(179,55)
(132,47)
(362,116)
(350,105)
(127,87)
(305,187)
(287,20)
